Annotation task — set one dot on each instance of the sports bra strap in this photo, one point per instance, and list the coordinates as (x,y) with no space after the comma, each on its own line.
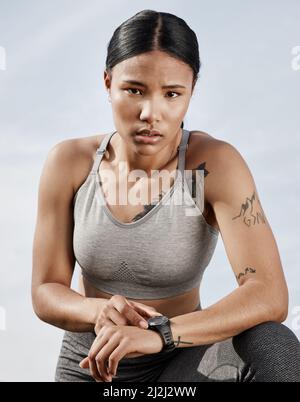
(182,148)
(100,152)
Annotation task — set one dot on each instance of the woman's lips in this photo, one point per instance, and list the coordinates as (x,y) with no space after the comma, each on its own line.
(147,139)
(149,132)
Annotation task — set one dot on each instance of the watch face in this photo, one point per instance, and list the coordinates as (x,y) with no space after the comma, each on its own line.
(158,320)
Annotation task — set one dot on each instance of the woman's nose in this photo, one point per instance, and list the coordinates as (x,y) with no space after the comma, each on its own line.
(150,111)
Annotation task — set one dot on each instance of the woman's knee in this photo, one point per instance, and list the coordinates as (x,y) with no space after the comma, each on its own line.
(271,349)
(268,334)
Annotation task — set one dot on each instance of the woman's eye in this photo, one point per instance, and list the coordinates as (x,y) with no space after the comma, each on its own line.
(170,92)
(132,89)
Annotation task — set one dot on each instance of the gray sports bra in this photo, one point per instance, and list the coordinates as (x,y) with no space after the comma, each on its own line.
(160,255)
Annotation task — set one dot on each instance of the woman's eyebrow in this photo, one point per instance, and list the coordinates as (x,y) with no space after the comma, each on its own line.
(133,82)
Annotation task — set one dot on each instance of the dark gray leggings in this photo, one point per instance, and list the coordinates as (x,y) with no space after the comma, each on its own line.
(268,352)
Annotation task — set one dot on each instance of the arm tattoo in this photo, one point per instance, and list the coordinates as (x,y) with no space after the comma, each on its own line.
(247,270)
(206,172)
(202,167)
(251,211)
(179,341)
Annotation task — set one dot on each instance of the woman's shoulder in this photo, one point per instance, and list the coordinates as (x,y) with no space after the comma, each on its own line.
(219,159)
(79,154)
(201,149)
(214,156)
(206,148)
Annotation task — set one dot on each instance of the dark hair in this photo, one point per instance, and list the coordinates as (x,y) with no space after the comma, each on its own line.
(150,30)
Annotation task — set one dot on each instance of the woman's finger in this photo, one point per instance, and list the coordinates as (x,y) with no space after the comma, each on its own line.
(94,370)
(116,317)
(100,324)
(119,352)
(98,343)
(145,310)
(102,358)
(143,307)
(126,309)
(85,363)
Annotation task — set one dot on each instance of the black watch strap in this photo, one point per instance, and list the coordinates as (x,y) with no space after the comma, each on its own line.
(167,337)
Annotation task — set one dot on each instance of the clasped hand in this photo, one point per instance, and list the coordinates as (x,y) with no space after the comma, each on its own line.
(120,333)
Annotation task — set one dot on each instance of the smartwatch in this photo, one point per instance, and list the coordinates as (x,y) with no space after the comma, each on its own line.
(162,325)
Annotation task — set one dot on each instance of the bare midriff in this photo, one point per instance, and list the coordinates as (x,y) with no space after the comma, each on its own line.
(170,306)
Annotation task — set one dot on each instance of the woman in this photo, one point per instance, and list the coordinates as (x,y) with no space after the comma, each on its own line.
(145,257)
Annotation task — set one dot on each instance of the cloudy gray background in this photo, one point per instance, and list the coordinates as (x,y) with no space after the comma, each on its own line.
(51,89)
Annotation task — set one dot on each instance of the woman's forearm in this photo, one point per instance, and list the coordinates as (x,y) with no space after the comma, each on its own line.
(245,307)
(63,307)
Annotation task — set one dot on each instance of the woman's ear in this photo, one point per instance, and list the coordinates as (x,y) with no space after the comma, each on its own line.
(107,80)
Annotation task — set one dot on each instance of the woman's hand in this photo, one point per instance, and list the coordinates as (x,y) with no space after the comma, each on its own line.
(120,311)
(114,342)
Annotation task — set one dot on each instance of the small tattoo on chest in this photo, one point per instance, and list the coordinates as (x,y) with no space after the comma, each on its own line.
(148,207)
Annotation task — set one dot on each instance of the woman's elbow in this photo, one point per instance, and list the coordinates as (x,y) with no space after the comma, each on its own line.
(280,305)
(38,303)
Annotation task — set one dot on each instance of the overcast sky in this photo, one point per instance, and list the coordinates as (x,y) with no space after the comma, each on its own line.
(52,57)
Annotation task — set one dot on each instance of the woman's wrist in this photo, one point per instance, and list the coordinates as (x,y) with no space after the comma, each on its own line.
(93,308)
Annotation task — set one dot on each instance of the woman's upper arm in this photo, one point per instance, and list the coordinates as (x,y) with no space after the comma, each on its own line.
(53,258)
(247,236)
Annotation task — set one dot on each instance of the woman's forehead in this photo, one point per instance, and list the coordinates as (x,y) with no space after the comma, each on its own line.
(143,67)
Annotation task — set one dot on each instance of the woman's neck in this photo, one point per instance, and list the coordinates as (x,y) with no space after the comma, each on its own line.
(132,160)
